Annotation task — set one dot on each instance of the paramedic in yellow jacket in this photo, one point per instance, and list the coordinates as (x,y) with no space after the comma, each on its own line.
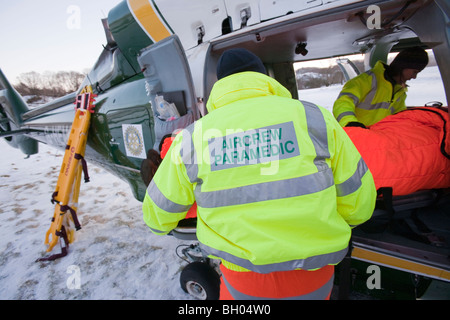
(278,185)
(379,92)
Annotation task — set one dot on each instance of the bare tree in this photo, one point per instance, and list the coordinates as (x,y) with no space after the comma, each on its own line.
(30,83)
(51,84)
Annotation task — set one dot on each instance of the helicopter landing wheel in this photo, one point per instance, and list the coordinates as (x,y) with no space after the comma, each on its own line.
(200,281)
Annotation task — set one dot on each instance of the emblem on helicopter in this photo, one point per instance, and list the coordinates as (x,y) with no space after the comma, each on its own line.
(134,141)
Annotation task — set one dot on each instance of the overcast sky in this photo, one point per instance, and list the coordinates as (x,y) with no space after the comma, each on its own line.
(51,35)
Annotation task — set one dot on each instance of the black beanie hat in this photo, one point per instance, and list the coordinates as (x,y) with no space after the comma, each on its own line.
(411,58)
(238,60)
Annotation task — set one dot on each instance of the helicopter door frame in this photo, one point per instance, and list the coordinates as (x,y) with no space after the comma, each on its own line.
(348,68)
(168,75)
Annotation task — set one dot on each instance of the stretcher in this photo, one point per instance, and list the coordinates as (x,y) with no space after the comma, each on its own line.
(67,190)
(408,151)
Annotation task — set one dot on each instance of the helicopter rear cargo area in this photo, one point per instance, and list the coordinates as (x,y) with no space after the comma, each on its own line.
(413,237)
(410,240)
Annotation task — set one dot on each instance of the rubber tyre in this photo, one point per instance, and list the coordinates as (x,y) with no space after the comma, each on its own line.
(200,281)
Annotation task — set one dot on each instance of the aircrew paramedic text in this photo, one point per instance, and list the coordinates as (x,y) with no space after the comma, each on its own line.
(224,310)
(253,146)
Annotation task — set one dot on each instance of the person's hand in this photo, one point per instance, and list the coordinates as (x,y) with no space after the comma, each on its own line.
(356,124)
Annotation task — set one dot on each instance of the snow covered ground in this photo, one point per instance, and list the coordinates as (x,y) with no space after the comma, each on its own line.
(115,256)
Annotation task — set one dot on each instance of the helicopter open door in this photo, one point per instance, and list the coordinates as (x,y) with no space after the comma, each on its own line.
(169,86)
(348,68)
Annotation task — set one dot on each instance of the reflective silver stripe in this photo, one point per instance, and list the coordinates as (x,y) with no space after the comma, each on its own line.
(272,190)
(310,263)
(321,293)
(317,130)
(162,202)
(158,231)
(354,98)
(367,103)
(375,106)
(188,154)
(354,182)
(344,114)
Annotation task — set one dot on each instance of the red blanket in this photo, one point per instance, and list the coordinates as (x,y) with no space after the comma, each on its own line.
(408,151)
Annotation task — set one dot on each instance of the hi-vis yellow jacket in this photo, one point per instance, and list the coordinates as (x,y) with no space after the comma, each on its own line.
(278,183)
(369,98)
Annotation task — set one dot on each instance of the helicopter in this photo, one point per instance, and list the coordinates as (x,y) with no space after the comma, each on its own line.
(168,51)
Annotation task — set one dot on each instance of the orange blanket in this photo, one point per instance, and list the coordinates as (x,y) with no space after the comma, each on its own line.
(408,151)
